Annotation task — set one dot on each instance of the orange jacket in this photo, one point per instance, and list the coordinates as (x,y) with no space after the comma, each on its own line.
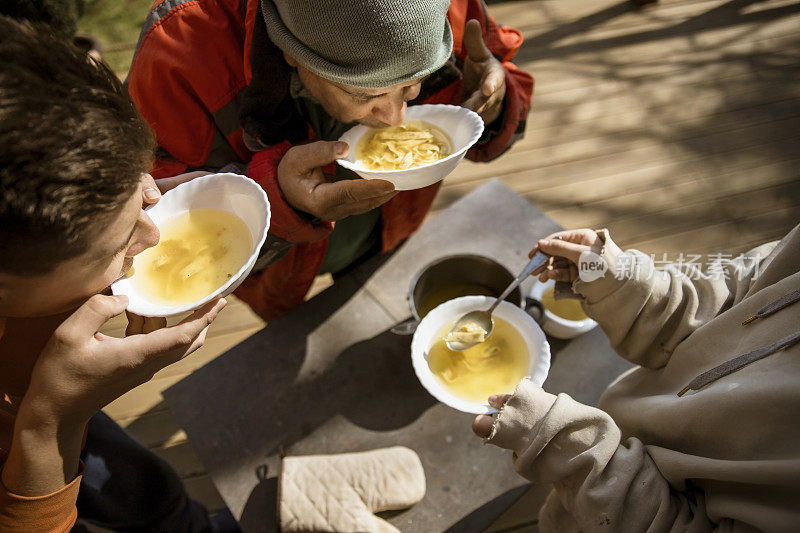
(188,79)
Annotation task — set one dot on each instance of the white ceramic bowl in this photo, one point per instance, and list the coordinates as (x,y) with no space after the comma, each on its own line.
(554,325)
(432,324)
(229,192)
(462,125)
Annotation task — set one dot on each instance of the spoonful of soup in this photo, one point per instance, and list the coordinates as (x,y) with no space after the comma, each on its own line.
(475,326)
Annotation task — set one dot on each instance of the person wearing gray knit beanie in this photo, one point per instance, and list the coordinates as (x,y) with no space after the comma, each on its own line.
(282,80)
(362,43)
(378,48)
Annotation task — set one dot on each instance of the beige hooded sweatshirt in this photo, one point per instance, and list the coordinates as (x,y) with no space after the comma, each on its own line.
(724,457)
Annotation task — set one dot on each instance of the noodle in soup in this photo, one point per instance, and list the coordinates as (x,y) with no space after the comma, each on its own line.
(411,144)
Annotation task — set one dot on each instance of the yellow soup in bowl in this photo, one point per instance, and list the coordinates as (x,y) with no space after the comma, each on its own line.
(566,308)
(199,251)
(494,366)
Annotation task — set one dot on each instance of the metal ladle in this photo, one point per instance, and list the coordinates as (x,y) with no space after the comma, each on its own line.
(483,319)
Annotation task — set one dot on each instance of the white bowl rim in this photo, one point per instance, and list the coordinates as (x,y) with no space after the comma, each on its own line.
(146,307)
(579,326)
(537,373)
(476,134)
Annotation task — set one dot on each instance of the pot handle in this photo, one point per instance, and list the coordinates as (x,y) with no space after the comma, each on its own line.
(535,309)
(407,327)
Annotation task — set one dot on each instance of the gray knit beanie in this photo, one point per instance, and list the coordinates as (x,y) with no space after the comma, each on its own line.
(363,43)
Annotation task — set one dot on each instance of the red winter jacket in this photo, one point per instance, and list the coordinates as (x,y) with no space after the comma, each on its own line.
(196,79)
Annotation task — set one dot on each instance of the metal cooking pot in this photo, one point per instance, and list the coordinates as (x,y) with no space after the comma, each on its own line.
(460,275)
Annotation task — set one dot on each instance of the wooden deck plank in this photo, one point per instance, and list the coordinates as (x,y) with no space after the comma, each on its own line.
(709,151)
(201,488)
(154,428)
(148,396)
(237,317)
(609,130)
(664,182)
(614,99)
(738,207)
(725,236)
(718,27)
(183,458)
(646,30)
(692,189)
(553,76)
(213,346)
(547,16)
(141,399)
(725,129)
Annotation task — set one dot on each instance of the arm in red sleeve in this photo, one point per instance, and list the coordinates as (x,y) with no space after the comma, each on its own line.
(519,88)
(286,223)
(504,42)
(182,82)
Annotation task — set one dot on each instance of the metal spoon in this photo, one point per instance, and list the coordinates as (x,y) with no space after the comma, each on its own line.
(484,318)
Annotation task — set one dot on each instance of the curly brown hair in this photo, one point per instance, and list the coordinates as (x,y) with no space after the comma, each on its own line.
(72,148)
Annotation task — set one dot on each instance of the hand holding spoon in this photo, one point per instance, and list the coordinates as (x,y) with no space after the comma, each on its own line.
(483,319)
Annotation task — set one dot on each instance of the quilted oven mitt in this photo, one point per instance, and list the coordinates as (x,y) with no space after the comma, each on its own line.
(341,492)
